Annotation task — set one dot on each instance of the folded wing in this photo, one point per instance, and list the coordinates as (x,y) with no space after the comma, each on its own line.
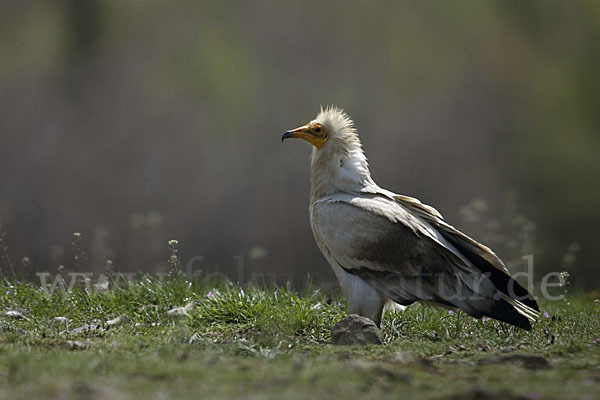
(406,251)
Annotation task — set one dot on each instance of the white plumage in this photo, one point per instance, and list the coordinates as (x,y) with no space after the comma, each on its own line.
(384,246)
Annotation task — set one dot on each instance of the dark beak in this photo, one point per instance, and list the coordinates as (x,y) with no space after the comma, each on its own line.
(287,135)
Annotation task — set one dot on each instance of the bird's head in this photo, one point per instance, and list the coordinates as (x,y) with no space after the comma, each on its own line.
(331,124)
(337,162)
(313,132)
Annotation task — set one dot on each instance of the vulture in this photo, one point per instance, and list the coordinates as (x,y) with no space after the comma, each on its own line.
(384,246)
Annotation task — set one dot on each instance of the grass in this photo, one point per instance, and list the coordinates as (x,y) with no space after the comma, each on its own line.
(141,341)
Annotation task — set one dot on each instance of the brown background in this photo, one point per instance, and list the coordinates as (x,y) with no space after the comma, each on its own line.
(137,122)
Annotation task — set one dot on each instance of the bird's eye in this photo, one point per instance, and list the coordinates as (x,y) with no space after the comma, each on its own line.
(318,129)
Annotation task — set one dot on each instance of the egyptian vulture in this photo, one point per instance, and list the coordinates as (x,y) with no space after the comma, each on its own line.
(385,246)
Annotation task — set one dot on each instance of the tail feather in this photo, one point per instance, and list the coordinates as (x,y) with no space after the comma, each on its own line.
(481,257)
(521,308)
(506,312)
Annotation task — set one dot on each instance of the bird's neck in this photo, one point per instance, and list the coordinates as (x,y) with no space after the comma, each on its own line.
(339,168)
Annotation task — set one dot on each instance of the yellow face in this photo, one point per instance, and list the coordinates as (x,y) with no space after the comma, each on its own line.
(314,133)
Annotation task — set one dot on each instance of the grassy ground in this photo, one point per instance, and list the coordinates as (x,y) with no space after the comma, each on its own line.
(142,342)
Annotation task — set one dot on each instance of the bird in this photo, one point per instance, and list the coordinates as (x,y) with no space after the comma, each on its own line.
(386,247)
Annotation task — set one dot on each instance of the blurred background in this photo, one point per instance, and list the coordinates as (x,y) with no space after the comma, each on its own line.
(134,123)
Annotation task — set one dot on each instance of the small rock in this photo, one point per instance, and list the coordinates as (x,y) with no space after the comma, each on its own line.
(355,329)
(14,314)
(62,320)
(87,329)
(114,321)
(179,311)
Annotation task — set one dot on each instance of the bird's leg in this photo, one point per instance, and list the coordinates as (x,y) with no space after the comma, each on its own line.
(363,299)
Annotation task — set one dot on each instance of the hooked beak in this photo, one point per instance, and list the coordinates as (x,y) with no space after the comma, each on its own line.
(296,133)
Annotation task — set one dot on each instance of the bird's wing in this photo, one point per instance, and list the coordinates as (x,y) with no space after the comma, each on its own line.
(478,254)
(432,216)
(401,254)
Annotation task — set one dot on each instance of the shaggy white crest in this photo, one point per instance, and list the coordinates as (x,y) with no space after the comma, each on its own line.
(340,165)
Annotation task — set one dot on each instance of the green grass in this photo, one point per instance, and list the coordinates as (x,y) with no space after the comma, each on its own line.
(273,343)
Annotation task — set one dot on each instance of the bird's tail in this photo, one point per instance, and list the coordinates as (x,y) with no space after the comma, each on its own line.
(513,312)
